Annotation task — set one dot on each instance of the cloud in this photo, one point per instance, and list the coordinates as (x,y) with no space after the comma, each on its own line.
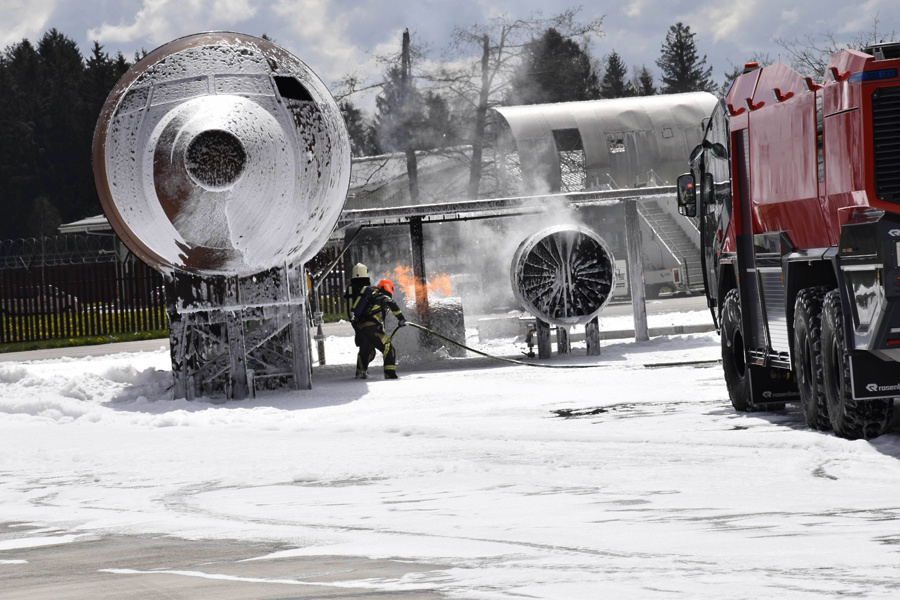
(160,21)
(862,18)
(728,21)
(321,33)
(633,9)
(790,16)
(24,19)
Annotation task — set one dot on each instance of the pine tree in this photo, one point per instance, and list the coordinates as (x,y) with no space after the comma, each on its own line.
(644,86)
(614,83)
(43,219)
(394,119)
(438,129)
(554,69)
(64,130)
(682,71)
(50,99)
(426,118)
(20,106)
(358,130)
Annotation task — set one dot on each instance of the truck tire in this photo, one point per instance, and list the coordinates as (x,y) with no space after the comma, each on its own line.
(808,357)
(851,419)
(734,362)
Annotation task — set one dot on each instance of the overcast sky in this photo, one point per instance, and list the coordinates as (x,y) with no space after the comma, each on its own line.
(335,37)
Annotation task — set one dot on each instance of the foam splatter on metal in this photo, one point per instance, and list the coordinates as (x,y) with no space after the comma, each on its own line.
(221,154)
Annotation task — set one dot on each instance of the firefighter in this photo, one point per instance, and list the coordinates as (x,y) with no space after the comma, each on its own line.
(367,308)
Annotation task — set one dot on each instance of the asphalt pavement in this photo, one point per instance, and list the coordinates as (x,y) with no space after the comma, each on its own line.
(150,568)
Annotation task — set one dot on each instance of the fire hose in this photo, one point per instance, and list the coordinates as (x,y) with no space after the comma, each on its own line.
(509,360)
(686,363)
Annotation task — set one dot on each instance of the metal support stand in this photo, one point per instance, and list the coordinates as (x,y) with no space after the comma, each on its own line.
(234,336)
(237,354)
(592,337)
(562,340)
(543,338)
(319,337)
(636,270)
(417,244)
(237,374)
(318,319)
(301,352)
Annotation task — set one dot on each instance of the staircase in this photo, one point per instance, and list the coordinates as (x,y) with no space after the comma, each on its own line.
(676,240)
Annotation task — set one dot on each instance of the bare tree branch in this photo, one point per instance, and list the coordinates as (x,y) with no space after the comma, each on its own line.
(809,54)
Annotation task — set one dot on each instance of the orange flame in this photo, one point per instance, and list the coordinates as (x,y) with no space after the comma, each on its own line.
(438,284)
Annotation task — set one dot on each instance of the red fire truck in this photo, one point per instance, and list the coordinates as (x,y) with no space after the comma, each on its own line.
(796,186)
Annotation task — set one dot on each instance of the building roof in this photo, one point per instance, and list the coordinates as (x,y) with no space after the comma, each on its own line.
(97,225)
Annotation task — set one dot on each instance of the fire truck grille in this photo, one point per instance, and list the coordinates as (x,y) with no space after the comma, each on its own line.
(886,134)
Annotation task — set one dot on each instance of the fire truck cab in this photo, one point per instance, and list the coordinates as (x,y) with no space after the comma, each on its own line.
(796,186)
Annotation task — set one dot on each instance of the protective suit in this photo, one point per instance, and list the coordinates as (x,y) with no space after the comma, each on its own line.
(367,309)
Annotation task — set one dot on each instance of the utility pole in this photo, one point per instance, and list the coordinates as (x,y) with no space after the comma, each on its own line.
(407,110)
(480,119)
(416,235)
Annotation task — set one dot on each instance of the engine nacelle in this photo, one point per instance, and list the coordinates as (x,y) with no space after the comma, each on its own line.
(564,275)
(221,154)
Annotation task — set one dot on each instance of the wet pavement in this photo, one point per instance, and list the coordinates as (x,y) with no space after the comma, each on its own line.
(147,568)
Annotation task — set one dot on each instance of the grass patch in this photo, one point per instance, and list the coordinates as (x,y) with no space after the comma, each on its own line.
(95,324)
(84,341)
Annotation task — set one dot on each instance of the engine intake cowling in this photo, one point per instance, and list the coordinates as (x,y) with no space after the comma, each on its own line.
(564,275)
(221,154)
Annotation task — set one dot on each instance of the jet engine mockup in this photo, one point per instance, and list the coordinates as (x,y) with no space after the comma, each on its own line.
(563,275)
(222,161)
(221,154)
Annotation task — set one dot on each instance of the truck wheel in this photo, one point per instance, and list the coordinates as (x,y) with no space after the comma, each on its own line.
(734,364)
(808,357)
(851,419)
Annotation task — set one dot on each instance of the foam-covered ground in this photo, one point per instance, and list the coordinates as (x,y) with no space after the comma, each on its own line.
(625,480)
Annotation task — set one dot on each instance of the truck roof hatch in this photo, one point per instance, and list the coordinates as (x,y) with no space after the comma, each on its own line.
(885,51)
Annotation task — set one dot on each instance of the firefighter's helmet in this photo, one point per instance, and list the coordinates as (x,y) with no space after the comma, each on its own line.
(360,270)
(386,285)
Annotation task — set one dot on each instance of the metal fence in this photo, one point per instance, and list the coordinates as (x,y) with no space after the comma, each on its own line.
(78,300)
(84,286)
(329,297)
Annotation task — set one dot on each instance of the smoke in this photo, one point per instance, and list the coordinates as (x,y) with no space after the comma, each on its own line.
(472,259)
(489,247)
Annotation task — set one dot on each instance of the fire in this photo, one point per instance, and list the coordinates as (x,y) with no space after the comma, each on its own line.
(438,284)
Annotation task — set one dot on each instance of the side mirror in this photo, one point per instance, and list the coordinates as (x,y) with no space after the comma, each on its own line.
(716,149)
(696,152)
(719,151)
(687,195)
